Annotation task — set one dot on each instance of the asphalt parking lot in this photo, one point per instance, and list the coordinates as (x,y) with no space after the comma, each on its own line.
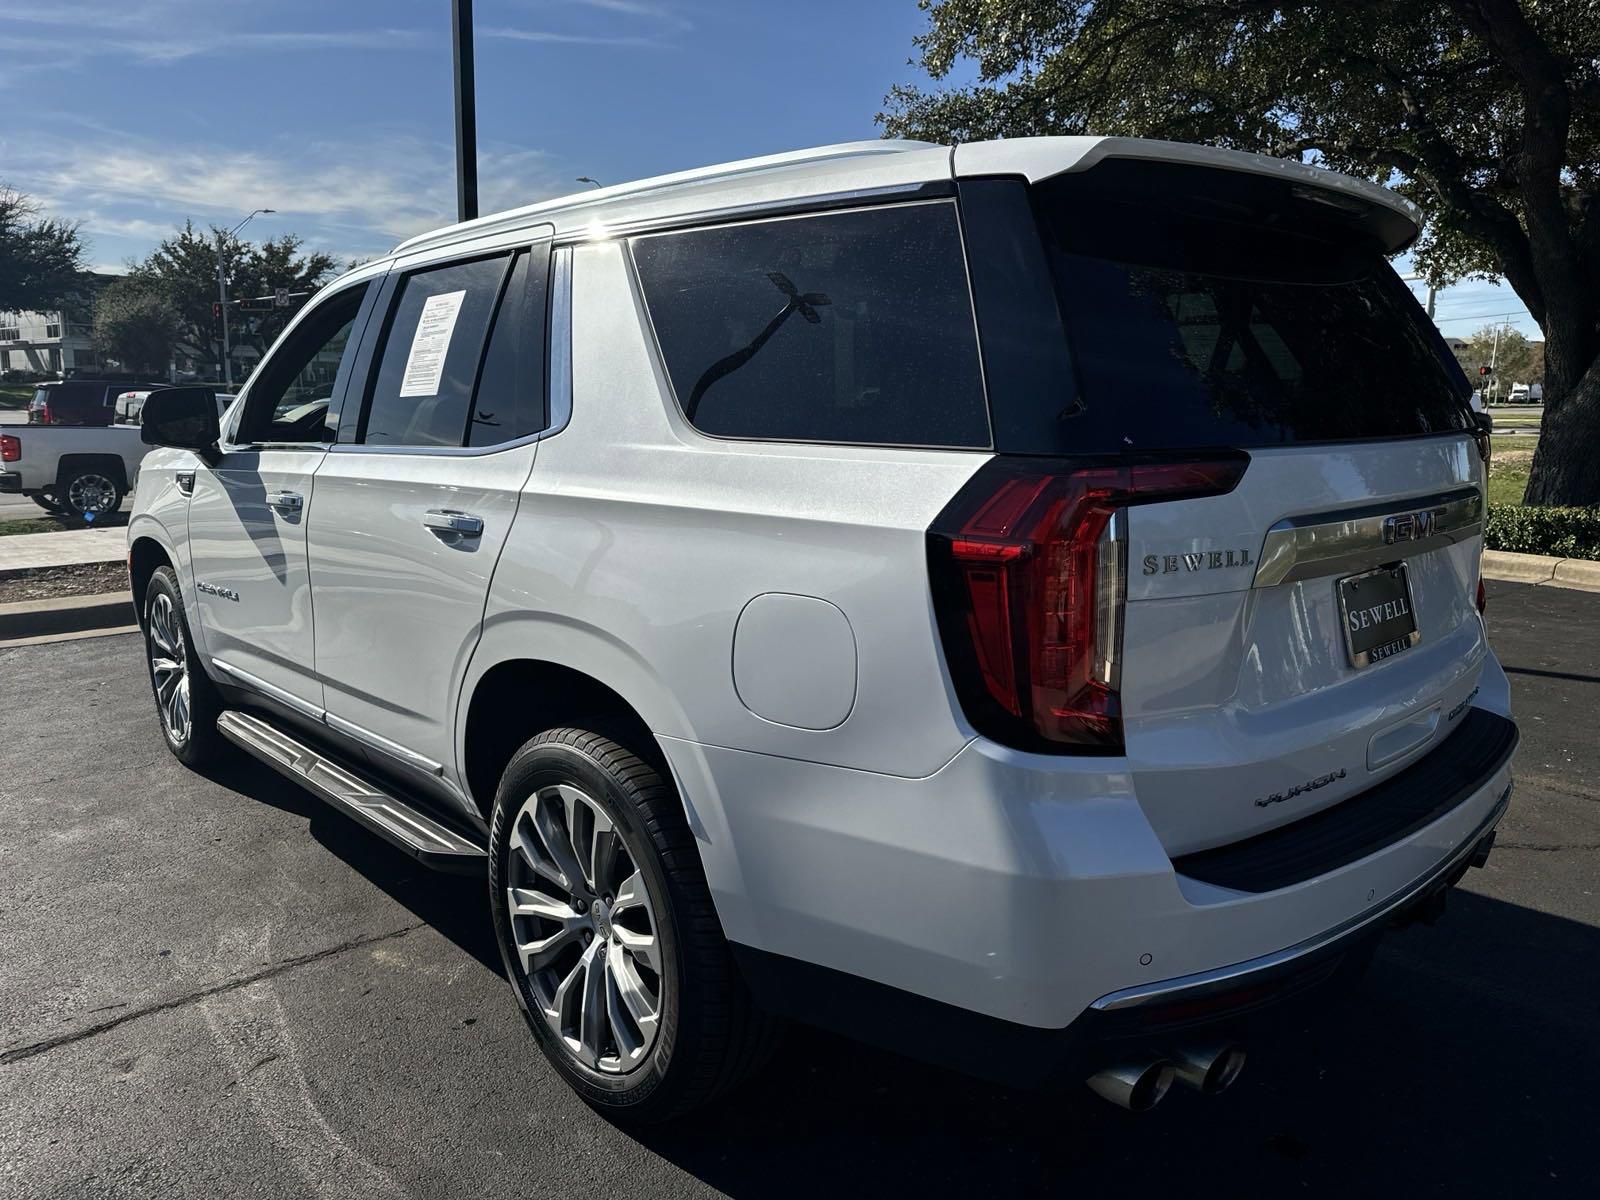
(214,986)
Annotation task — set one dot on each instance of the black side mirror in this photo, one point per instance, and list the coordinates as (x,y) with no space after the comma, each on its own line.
(182,417)
(1482,427)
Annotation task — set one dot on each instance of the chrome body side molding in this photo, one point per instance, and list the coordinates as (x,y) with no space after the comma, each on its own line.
(272,691)
(1318,544)
(383,745)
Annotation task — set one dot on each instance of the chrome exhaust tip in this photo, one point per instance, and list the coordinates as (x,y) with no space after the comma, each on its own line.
(1135,1086)
(1210,1070)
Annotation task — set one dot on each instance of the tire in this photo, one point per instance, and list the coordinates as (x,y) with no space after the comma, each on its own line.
(88,493)
(187,702)
(48,502)
(706,1035)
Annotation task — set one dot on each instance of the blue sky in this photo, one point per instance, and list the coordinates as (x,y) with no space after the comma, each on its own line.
(132,115)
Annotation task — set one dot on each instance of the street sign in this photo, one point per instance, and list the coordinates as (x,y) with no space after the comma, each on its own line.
(280,297)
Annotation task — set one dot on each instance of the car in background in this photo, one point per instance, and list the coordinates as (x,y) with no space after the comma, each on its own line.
(1526,393)
(79,401)
(130,404)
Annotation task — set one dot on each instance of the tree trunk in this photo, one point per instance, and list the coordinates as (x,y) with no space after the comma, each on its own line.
(1566,462)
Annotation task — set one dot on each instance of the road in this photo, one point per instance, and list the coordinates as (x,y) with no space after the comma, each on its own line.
(213,985)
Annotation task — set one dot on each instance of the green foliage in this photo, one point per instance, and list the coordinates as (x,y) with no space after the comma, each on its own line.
(136,325)
(184,268)
(1513,356)
(1484,113)
(41,259)
(1563,532)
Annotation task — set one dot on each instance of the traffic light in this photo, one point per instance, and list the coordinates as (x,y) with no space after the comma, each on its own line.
(1485,372)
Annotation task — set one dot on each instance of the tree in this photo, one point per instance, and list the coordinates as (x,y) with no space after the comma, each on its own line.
(41,260)
(1486,113)
(137,325)
(1510,353)
(184,267)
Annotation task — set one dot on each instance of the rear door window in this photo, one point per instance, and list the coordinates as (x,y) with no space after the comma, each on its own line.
(427,368)
(851,327)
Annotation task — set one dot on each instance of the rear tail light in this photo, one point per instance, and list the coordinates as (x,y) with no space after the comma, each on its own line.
(1029,572)
(1483,597)
(10,447)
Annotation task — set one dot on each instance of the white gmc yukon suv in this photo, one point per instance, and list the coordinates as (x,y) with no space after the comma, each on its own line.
(1017,604)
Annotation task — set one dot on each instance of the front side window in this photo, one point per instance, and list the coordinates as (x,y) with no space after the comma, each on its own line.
(295,395)
(851,327)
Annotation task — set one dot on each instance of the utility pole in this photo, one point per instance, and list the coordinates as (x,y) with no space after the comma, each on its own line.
(222,290)
(466,112)
(1494,357)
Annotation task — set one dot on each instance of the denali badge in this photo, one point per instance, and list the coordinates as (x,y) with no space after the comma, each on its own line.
(1411,526)
(212,589)
(1166,564)
(1309,785)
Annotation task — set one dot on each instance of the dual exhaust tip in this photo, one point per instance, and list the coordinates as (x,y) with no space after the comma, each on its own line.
(1141,1084)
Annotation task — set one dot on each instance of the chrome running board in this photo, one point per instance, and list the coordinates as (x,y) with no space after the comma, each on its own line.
(419,835)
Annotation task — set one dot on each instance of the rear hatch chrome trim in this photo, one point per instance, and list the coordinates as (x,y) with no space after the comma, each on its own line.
(1331,543)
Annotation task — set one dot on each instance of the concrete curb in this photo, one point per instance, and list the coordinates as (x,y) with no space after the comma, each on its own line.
(1541,569)
(68,614)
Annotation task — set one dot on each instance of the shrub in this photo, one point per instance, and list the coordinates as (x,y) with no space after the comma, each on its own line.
(1562,532)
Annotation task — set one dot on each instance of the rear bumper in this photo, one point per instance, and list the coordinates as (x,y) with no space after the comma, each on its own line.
(10,483)
(1029,900)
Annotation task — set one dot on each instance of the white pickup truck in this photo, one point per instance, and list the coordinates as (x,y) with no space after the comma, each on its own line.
(81,471)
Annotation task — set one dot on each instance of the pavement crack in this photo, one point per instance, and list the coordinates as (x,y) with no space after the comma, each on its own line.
(1547,847)
(20,1053)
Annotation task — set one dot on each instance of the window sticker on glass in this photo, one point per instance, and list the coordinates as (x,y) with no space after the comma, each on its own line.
(430,344)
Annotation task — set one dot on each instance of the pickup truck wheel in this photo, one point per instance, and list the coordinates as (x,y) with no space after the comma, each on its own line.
(608,933)
(89,492)
(187,703)
(48,502)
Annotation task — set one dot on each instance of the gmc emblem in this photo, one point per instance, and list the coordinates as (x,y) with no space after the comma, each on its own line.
(1411,526)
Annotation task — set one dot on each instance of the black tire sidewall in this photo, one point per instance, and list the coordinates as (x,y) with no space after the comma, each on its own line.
(539,764)
(204,708)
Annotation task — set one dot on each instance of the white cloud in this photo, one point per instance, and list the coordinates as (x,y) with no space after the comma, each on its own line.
(358,198)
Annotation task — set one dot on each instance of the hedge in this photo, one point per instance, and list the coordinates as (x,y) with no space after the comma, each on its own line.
(1562,532)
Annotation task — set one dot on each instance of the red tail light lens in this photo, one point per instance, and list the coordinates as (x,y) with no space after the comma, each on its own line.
(1028,567)
(1483,598)
(10,447)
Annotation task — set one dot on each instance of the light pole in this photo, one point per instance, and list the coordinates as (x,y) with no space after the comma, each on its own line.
(466,110)
(222,290)
(586,179)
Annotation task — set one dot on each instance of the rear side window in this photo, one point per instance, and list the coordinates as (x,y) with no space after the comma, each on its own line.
(848,327)
(421,393)
(1229,321)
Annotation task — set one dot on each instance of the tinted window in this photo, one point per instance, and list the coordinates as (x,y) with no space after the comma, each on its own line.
(295,394)
(1194,328)
(845,327)
(509,402)
(421,394)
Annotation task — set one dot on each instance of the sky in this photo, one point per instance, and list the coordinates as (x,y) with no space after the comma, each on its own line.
(134,115)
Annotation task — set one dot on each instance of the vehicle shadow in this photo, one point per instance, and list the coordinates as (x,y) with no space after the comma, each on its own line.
(454,905)
(1466,1061)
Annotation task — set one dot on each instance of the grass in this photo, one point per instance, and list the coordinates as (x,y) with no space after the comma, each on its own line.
(45,523)
(1508,468)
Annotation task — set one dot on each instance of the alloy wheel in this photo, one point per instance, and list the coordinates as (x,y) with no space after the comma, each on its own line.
(91,493)
(169,668)
(584,925)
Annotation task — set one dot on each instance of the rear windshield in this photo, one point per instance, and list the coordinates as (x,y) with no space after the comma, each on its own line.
(1191,328)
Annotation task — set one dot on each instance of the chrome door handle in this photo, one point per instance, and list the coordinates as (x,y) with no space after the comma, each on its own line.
(285,502)
(444,521)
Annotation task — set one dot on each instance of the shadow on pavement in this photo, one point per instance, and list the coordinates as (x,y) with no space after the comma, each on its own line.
(1465,1062)
(455,905)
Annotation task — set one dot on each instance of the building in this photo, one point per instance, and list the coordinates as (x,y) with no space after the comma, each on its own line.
(51,343)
